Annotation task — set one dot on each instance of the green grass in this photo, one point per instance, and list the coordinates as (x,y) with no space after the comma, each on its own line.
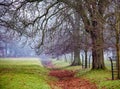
(20,61)
(60,63)
(28,73)
(101,77)
(108,64)
(23,74)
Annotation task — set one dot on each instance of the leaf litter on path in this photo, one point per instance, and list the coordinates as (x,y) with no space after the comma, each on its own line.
(68,81)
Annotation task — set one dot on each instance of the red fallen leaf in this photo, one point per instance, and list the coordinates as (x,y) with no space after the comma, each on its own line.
(70,82)
(62,73)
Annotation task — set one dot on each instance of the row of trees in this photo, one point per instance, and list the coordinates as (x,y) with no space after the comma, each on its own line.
(58,27)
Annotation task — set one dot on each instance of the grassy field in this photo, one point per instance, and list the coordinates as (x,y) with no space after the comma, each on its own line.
(28,73)
(23,73)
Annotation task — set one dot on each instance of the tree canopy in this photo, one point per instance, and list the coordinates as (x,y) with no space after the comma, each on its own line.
(57,26)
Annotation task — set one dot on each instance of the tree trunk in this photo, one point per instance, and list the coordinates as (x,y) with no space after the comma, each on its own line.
(71,58)
(90,59)
(97,49)
(76,38)
(85,58)
(5,49)
(86,49)
(76,58)
(57,58)
(65,58)
(118,42)
(118,58)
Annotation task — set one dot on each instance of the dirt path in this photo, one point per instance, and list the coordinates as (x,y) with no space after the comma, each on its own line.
(66,80)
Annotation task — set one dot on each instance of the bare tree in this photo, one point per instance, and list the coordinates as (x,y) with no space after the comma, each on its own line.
(27,18)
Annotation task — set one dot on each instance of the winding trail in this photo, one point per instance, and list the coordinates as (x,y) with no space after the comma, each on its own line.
(66,80)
